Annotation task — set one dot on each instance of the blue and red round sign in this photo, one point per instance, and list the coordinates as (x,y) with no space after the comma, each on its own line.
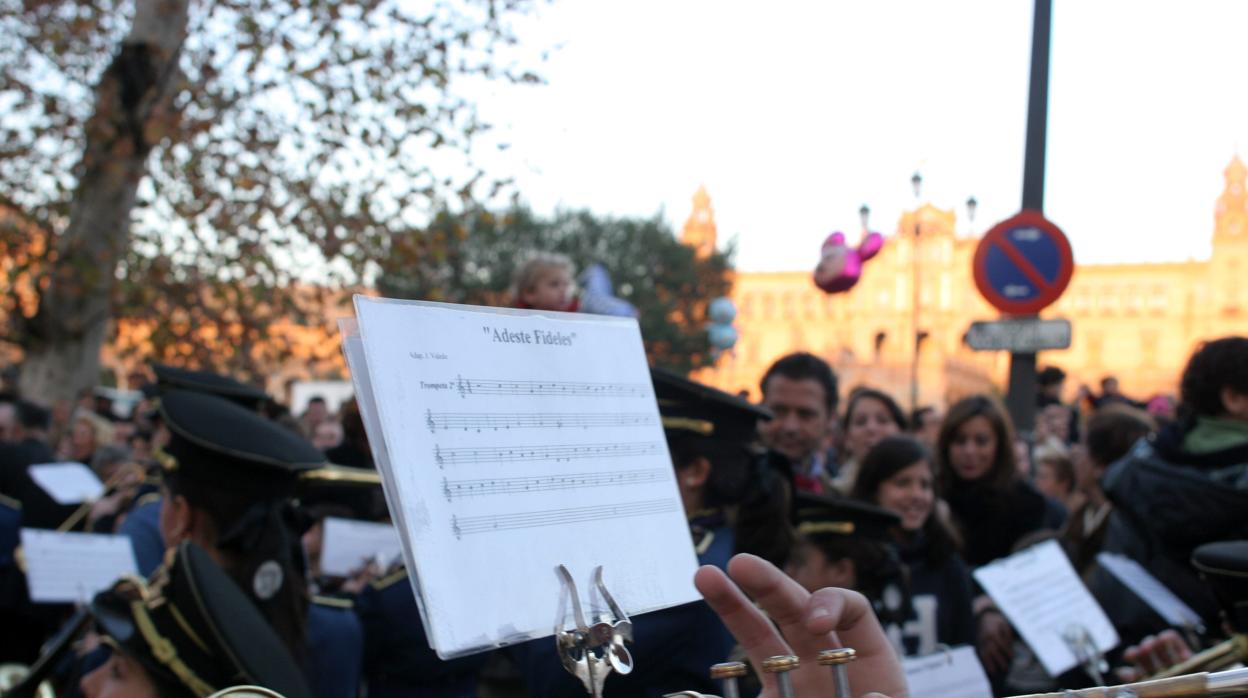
(1023,264)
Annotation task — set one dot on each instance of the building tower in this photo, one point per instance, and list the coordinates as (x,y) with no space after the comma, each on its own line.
(699,231)
(1230,242)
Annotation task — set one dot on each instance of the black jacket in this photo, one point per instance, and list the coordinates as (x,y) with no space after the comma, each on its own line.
(39,509)
(1167,501)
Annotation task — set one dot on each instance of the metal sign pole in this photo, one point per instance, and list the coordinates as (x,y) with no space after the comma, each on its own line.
(1021,398)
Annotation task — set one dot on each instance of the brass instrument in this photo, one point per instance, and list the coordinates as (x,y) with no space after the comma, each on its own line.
(30,683)
(1223,655)
(1233,682)
(245,692)
(1222,684)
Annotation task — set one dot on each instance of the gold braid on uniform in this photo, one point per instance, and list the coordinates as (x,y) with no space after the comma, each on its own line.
(814,528)
(165,653)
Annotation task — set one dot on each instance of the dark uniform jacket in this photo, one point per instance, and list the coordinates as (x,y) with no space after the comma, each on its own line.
(398,662)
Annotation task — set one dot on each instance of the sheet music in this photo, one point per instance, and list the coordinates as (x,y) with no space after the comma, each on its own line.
(518,441)
(72,567)
(1150,590)
(349,545)
(67,483)
(1043,597)
(956,673)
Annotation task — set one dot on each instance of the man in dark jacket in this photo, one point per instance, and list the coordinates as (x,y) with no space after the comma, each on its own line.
(1183,488)
(29,447)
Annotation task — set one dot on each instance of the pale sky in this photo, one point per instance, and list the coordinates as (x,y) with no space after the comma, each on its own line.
(793,114)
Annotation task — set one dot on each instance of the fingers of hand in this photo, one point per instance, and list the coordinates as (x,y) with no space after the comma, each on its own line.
(756,635)
(782,599)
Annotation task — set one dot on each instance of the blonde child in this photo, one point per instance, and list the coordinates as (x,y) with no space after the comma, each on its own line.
(544,282)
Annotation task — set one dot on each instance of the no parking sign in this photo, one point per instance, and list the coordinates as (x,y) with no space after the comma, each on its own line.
(1023,264)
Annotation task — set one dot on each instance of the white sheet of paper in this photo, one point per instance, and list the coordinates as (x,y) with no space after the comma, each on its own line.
(67,483)
(518,441)
(72,567)
(1039,592)
(353,349)
(1150,590)
(350,544)
(953,674)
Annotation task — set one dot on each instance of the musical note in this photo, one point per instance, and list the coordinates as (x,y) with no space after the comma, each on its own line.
(557,453)
(454,489)
(470,387)
(469,525)
(505,421)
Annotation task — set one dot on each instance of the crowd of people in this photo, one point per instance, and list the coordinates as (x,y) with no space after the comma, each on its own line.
(217,486)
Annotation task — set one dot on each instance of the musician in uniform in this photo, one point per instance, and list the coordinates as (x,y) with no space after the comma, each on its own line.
(141,523)
(849,544)
(398,662)
(187,633)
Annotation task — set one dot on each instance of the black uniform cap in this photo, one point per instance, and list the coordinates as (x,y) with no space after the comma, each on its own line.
(172,378)
(826,516)
(218,441)
(1225,567)
(193,627)
(690,407)
(339,487)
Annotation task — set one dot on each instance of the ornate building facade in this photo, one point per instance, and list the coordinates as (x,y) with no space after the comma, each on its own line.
(1138,322)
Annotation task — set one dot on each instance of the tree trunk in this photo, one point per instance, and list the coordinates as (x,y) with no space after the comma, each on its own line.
(133,111)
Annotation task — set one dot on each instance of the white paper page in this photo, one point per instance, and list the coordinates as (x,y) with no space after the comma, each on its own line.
(67,483)
(520,441)
(953,674)
(72,567)
(349,545)
(1150,590)
(353,350)
(357,364)
(1043,598)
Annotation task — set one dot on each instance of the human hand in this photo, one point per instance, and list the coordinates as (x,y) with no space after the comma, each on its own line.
(791,620)
(995,642)
(1154,653)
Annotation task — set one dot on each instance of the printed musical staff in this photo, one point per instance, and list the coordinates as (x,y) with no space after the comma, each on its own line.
(473,387)
(506,421)
(562,452)
(469,525)
(454,489)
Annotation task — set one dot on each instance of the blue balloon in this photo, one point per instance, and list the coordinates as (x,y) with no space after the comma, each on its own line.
(722,311)
(722,336)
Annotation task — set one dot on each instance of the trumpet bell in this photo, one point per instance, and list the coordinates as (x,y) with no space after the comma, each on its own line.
(245,692)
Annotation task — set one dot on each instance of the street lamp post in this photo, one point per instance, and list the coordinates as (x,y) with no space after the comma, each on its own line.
(916,181)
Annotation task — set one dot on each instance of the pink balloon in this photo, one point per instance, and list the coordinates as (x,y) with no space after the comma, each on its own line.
(840,266)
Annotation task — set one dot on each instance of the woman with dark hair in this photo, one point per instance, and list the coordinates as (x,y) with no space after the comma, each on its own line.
(898,475)
(223,494)
(229,476)
(870,416)
(991,506)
